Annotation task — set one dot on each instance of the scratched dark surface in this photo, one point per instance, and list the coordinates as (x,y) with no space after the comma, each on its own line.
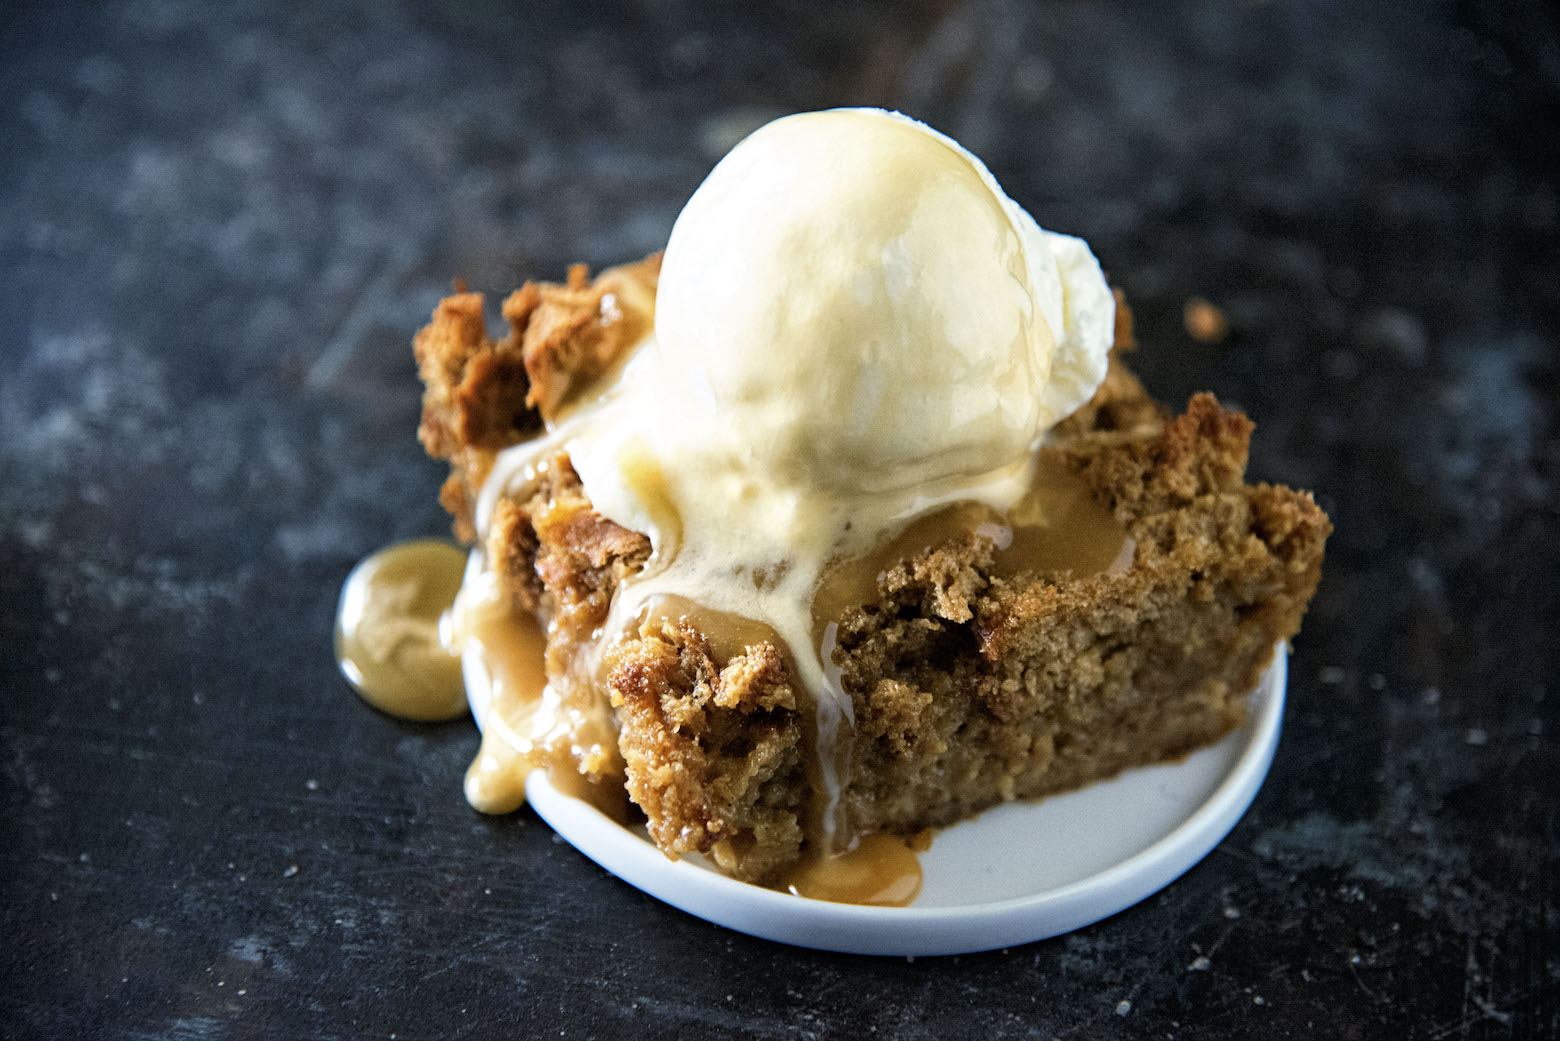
(219,228)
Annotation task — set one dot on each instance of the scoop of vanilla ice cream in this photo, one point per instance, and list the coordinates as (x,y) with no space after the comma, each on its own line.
(854,325)
(850,301)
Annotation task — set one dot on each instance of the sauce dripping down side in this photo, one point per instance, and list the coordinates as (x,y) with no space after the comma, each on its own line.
(512,651)
(387,630)
(539,711)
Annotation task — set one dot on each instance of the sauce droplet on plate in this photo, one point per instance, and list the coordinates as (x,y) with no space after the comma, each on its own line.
(387,630)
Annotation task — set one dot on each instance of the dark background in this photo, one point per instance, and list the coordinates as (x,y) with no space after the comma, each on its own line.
(219,227)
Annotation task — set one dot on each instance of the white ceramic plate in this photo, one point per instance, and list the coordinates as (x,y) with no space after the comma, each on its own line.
(1015,874)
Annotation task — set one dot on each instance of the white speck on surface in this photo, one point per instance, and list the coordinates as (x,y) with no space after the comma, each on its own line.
(1123,1007)
(312,785)
(1200,963)
(1232,912)
(291,871)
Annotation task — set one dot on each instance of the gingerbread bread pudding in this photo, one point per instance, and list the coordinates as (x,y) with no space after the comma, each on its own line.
(971,683)
(1108,605)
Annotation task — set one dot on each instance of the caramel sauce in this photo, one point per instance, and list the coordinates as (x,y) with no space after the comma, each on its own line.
(1056,527)
(881,871)
(540,714)
(513,650)
(728,635)
(387,630)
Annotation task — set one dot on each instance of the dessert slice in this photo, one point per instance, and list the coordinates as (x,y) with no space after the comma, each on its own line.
(850,521)
(975,677)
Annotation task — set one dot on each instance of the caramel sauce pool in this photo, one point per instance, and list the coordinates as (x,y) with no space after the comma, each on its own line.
(387,630)
(1056,527)
(881,871)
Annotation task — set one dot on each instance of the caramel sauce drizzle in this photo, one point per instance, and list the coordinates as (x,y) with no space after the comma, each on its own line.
(543,711)
(1055,528)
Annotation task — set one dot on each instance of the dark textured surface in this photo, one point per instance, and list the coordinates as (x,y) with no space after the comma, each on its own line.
(218,230)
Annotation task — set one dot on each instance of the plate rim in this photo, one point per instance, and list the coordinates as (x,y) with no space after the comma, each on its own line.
(961,929)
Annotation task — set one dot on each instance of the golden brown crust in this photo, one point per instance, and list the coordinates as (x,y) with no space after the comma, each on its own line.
(551,543)
(571,334)
(713,752)
(968,688)
(482,395)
